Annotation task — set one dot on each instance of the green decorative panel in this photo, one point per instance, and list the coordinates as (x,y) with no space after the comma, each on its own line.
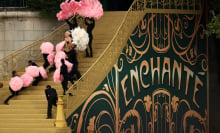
(158,85)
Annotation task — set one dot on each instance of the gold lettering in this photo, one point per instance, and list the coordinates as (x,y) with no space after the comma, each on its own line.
(188,73)
(197,82)
(134,74)
(164,71)
(146,65)
(177,68)
(125,90)
(157,69)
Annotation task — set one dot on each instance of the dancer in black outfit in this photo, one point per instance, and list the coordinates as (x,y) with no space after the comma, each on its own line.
(13,93)
(64,72)
(51,96)
(71,53)
(74,72)
(31,63)
(66,77)
(37,79)
(90,22)
(72,23)
(46,63)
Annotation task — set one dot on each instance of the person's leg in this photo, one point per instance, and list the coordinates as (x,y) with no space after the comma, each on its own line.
(55,102)
(37,80)
(87,53)
(49,109)
(90,44)
(9,97)
(46,63)
(64,85)
(52,68)
(13,93)
(76,71)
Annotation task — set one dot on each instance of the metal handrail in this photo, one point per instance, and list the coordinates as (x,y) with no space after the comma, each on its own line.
(19,58)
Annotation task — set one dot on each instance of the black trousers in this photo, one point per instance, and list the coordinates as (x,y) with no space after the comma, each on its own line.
(64,85)
(90,46)
(13,93)
(51,102)
(75,71)
(46,63)
(37,80)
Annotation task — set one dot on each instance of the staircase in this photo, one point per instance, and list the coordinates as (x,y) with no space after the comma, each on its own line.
(26,113)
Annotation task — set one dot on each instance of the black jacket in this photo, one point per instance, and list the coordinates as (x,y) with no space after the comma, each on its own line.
(51,93)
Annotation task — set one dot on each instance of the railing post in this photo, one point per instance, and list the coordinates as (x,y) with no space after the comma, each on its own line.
(60,118)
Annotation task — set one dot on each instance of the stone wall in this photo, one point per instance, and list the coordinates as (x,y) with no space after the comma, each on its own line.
(20,28)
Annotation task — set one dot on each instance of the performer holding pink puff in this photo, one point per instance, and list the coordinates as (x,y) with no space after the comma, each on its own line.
(46,49)
(15,85)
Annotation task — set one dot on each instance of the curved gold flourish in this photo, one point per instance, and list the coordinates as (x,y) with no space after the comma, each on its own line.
(201,120)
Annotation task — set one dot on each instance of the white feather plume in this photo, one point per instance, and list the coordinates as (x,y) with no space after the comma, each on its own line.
(80,38)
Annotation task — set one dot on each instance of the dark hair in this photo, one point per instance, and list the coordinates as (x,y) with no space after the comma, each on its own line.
(62,61)
(30,61)
(70,35)
(48,86)
(13,72)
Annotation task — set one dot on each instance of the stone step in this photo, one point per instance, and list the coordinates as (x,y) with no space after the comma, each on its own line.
(39,92)
(87,60)
(27,121)
(25,106)
(23,111)
(31,91)
(32,97)
(34,130)
(14,102)
(22,124)
(22,116)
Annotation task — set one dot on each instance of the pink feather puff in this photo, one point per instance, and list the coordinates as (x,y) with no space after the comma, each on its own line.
(43,72)
(75,6)
(32,71)
(86,8)
(60,55)
(69,65)
(27,80)
(51,57)
(57,77)
(62,15)
(65,12)
(58,63)
(16,83)
(91,9)
(59,46)
(46,47)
